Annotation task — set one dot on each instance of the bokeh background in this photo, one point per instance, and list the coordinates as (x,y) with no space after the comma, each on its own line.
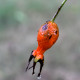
(19,23)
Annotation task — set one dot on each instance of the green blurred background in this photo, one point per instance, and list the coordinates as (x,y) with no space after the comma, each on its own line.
(19,23)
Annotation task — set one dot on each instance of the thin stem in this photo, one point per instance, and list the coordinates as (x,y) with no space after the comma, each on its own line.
(54,17)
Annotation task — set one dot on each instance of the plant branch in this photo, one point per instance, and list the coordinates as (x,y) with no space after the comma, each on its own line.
(54,17)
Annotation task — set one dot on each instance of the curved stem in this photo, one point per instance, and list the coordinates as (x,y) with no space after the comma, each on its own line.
(54,17)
